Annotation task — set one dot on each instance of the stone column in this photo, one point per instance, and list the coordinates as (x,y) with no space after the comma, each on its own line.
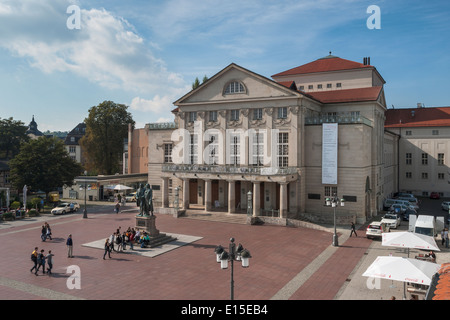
(208,195)
(256,198)
(231,196)
(186,194)
(283,200)
(165,192)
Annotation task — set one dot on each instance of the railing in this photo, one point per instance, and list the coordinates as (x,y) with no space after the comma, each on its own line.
(341,118)
(196,168)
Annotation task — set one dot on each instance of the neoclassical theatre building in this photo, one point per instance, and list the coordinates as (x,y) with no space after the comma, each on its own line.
(308,133)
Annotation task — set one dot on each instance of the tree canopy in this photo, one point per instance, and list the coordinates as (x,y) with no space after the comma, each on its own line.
(106,129)
(43,165)
(12,134)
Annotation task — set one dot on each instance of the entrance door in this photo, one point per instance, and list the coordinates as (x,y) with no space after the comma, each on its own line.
(237,194)
(214,192)
(193,189)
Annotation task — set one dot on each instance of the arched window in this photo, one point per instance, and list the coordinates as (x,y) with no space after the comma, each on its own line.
(234,87)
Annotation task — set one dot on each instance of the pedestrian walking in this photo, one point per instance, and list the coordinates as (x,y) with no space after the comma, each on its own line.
(353,230)
(48,231)
(442,237)
(41,262)
(49,260)
(69,244)
(43,233)
(107,249)
(446,237)
(34,255)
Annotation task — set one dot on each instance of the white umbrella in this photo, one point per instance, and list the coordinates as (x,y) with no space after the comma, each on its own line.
(402,269)
(409,240)
(121,187)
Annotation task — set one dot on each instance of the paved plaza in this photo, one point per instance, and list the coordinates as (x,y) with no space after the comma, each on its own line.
(287,263)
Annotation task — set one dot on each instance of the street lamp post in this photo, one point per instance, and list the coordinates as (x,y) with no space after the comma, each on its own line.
(85,188)
(333,202)
(238,254)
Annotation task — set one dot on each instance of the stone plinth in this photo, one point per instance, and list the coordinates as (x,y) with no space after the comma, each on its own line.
(148,224)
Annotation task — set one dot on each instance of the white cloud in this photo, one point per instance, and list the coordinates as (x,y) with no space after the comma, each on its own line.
(158,104)
(107,50)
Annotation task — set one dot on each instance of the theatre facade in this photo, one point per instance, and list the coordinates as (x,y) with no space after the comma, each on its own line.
(244,143)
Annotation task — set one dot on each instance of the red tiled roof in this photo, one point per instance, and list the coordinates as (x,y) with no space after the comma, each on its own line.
(347,95)
(323,65)
(289,84)
(417,117)
(442,290)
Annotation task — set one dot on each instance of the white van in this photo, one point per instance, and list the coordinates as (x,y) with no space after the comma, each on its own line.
(427,225)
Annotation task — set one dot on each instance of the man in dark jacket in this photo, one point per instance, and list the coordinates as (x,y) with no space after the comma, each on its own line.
(69,244)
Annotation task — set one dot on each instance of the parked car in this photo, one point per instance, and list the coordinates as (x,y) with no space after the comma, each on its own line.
(392,220)
(388,203)
(76,206)
(407,213)
(434,195)
(405,194)
(61,208)
(398,208)
(445,205)
(131,197)
(376,229)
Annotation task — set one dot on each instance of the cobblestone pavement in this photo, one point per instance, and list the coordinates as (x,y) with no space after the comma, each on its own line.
(287,263)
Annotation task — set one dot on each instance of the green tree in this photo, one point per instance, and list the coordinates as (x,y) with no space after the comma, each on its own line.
(12,134)
(43,165)
(106,129)
(196,84)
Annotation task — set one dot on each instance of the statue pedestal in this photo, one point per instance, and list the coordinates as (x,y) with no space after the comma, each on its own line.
(148,224)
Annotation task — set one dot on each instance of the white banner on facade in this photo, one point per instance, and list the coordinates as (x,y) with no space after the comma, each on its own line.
(329,153)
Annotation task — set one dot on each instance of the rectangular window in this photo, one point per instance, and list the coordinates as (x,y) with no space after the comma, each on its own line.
(409,158)
(257,114)
(441,176)
(301,88)
(257,149)
(424,175)
(283,150)
(408,175)
(213,149)
(440,159)
(282,113)
(213,116)
(338,85)
(330,191)
(329,85)
(234,115)
(435,132)
(193,149)
(192,116)
(168,153)
(235,152)
(319,86)
(72,149)
(408,132)
(310,87)
(425,158)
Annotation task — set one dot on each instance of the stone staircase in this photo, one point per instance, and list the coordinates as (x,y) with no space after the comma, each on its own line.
(160,239)
(239,218)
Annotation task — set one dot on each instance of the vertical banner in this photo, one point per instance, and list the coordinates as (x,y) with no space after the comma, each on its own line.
(329,153)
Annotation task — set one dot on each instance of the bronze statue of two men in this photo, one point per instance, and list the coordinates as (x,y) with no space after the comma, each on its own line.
(144,199)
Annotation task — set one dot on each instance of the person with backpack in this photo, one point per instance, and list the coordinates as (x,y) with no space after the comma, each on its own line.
(34,255)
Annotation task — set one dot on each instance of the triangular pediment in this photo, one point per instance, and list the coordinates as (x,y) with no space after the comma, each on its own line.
(245,85)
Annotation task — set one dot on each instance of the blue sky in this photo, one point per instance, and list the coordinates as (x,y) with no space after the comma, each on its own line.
(147,53)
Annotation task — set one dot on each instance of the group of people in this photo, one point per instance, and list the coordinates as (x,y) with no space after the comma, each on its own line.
(46,232)
(122,239)
(39,259)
